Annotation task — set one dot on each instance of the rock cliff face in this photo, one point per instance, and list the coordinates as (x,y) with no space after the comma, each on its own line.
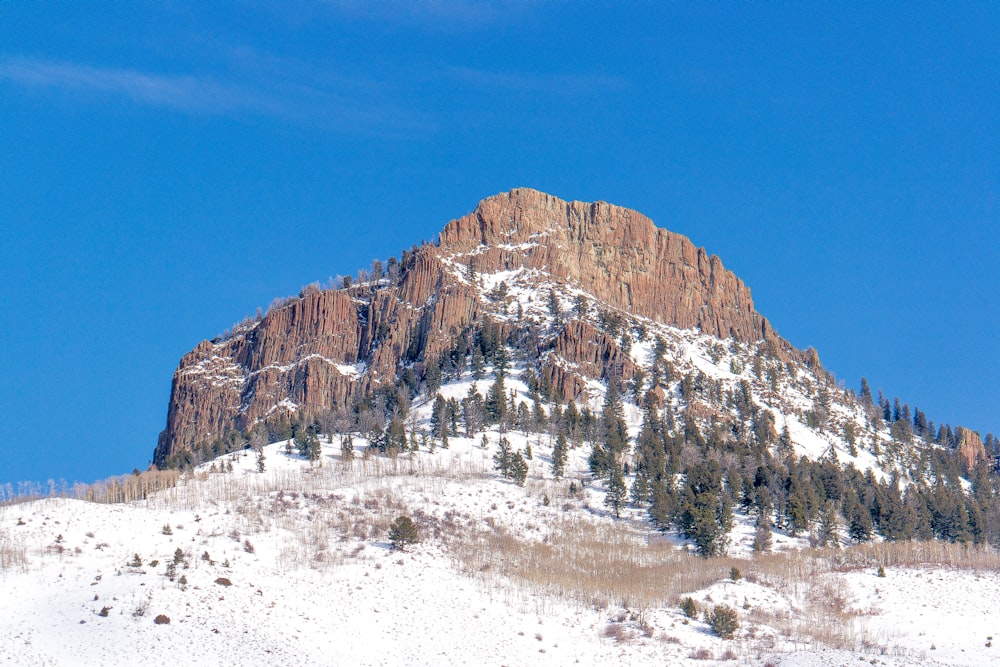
(615,254)
(327,348)
(971,448)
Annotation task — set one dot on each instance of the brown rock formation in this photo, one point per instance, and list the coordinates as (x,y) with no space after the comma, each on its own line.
(615,254)
(328,347)
(970,447)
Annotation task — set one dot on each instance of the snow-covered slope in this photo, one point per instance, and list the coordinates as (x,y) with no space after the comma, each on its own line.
(292,566)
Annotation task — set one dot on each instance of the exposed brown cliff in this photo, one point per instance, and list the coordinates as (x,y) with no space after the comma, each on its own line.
(970,447)
(612,253)
(328,347)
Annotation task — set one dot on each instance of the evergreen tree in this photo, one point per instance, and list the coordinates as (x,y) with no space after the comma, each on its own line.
(518,469)
(828,528)
(613,420)
(554,308)
(705,515)
(501,361)
(346,448)
(859,523)
(308,445)
(496,402)
(473,411)
(866,393)
(663,504)
(403,532)
(600,460)
(432,375)
(559,456)
(477,365)
(538,417)
(640,489)
(615,497)
(439,417)
(453,411)
(796,506)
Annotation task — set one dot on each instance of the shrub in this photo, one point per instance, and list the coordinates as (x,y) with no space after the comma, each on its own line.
(162,619)
(248,546)
(735,573)
(724,621)
(616,631)
(167,530)
(689,608)
(136,561)
(403,531)
(104,612)
(881,571)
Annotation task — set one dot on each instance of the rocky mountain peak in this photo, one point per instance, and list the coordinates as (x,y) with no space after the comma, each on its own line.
(613,253)
(327,348)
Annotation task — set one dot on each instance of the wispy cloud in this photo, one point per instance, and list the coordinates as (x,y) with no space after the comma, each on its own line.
(334,104)
(184,92)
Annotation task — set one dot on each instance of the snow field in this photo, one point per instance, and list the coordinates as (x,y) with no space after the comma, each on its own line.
(500,577)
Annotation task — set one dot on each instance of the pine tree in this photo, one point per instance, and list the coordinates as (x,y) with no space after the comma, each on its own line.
(308,445)
(796,503)
(403,532)
(472,411)
(866,393)
(559,456)
(439,417)
(640,489)
(554,308)
(496,401)
(346,448)
(616,494)
(663,504)
(477,365)
(828,528)
(432,375)
(518,469)
(502,458)
(859,523)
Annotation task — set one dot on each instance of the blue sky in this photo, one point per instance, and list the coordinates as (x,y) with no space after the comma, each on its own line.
(167,168)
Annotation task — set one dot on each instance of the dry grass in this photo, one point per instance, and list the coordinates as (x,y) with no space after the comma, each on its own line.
(592,563)
(13,553)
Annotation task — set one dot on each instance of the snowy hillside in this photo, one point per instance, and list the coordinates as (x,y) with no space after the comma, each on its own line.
(292,566)
(589,486)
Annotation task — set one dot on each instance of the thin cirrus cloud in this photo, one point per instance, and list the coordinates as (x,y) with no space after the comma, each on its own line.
(182,92)
(287,98)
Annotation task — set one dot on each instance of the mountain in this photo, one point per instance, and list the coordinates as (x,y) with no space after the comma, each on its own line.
(605,455)
(328,347)
(587,321)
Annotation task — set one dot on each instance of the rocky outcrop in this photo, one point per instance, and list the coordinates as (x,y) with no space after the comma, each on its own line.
(326,348)
(615,254)
(970,447)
